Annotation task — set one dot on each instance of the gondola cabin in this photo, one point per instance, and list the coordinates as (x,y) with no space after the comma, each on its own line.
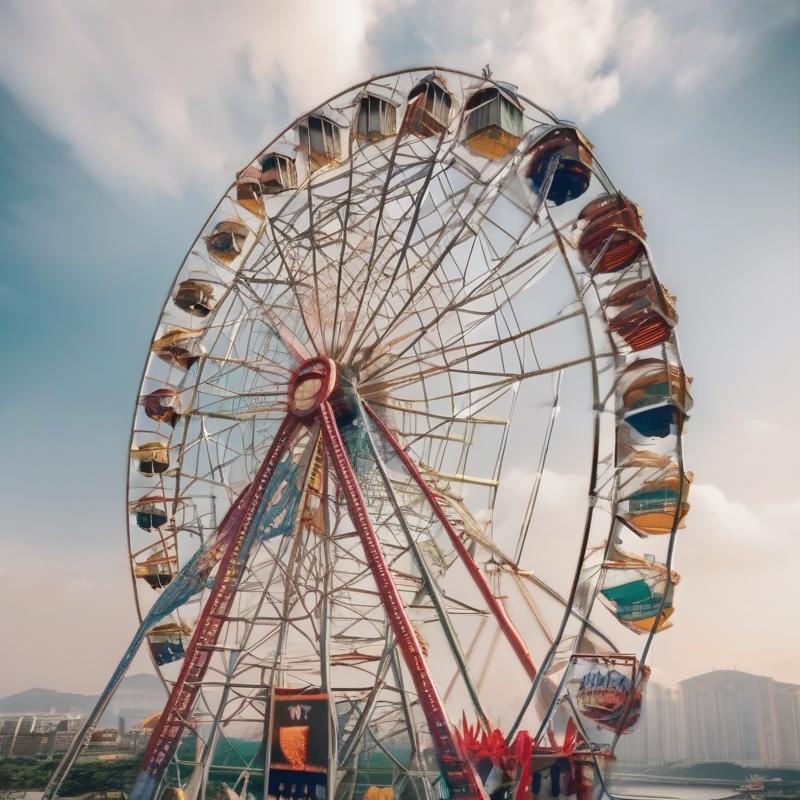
(493,122)
(636,604)
(225,243)
(660,505)
(278,173)
(642,314)
(153,457)
(655,397)
(195,297)
(321,140)
(634,457)
(610,698)
(156,570)
(150,512)
(428,109)
(249,193)
(560,165)
(612,233)
(178,347)
(168,642)
(162,405)
(377,119)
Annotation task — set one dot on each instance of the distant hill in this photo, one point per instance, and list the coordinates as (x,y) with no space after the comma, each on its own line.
(43,700)
(140,693)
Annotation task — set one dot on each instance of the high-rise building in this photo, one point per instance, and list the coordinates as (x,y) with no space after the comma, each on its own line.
(735,716)
(658,738)
(723,715)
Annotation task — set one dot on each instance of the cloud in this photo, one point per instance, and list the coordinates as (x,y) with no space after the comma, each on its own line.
(761,427)
(163,96)
(158,94)
(739,590)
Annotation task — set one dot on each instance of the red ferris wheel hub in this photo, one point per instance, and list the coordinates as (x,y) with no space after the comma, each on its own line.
(311,385)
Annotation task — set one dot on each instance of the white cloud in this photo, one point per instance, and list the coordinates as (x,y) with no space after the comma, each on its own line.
(737,600)
(761,427)
(158,94)
(161,96)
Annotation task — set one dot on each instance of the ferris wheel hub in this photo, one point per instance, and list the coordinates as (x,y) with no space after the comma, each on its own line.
(311,385)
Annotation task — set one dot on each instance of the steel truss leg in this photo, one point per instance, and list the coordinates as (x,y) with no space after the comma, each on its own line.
(458,771)
(164,739)
(78,742)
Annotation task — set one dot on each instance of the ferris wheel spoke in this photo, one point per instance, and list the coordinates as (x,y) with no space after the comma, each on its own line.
(400,257)
(434,265)
(292,281)
(505,623)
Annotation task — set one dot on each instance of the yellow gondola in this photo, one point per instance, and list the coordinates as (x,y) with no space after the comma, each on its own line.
(153,457)
(320,139)
(494,121)
(377,119)
(178,347)
(226,242)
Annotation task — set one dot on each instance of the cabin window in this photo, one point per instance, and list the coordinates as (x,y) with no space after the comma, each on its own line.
(248,191)
(226,241)
(320,138)
(377,119)
(195,297)
(490,107)
(428,111)
(277,173)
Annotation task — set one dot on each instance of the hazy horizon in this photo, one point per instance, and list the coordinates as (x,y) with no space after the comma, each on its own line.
(120,127)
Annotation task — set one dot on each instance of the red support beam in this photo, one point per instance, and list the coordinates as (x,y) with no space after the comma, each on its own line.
(506,625)
(458,771)
(164,739)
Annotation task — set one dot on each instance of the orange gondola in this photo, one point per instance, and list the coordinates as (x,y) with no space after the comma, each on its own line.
(178,347)
(646,317)
(428,109)
(612,233)
(249,192)
(655,396)
(195,297)
(226,241)
(660,504)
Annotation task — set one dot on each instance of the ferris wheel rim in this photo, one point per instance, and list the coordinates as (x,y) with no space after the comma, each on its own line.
(593,361)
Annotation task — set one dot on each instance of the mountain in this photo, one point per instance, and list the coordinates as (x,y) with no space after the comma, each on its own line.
(43,700)
(137,695)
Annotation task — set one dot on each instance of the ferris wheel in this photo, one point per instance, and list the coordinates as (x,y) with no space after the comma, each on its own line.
(406,465)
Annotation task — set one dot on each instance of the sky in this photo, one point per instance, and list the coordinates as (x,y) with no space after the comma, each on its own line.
(120,126)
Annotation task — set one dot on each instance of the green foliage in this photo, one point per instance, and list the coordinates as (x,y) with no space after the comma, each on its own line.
(32,774)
